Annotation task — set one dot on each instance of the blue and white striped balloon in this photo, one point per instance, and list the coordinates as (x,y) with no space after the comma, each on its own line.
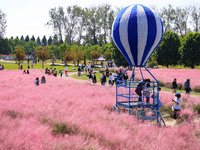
(137,31)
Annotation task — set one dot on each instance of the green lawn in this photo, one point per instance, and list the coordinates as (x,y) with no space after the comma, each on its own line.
(37,66)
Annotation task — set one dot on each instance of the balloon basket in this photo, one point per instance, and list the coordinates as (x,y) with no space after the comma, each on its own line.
(139,97)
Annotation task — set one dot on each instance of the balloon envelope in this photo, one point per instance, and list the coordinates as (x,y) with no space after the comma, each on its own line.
(137,31)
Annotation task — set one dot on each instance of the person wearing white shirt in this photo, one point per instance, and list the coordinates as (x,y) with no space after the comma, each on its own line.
(177,105)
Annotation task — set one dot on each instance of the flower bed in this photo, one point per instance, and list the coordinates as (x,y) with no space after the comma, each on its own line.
(68,114)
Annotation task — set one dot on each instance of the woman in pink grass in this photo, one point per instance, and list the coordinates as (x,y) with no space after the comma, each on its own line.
(176,108)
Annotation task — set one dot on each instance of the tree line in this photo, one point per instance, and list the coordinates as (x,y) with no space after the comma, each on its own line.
(88,30)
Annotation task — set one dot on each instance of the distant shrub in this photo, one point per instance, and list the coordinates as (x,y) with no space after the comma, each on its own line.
(180,86)
(14,114)
(152,64)
(197,89)
(196,108)
(168,85)
(161,83)
(61,128)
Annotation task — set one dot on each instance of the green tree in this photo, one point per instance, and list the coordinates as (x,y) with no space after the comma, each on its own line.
(33,38)
(43,55)
(22,38)
(44,41)
(29,46)
(38,41)
(168,50)
(50,41)
(5,47)
(19,55)
(62,48)
(27,38)
(117,56)
(191,50)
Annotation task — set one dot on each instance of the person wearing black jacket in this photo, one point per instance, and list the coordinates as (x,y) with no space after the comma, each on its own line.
(174,85)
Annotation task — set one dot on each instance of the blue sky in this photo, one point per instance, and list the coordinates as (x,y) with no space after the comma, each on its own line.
(28,17)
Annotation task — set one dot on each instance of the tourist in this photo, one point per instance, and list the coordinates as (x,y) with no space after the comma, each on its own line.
(36,81)
(24,72)
(174,85)
(103,78)
(66,70)
(43,80)
(90,76)
(27,71)
(115,76)
(79,71)
(139,89)
(187,86)
(61,73)
(147,92)
(94,80)
(110,79)
(125,78)
(177,105)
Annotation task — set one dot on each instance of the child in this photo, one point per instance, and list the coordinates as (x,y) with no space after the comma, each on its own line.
(147,92)
(177,105)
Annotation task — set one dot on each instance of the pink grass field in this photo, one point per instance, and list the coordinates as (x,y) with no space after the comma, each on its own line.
(28,114)
(168,75)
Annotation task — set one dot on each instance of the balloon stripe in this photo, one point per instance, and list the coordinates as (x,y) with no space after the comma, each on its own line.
(158,36)
(142,32)
(123,32)
(132,36)
(116,37)
(152,31)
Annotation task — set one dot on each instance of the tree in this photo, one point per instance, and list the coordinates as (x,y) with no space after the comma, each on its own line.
(38,41)
(19,55)
(191,50)
(33,38)
(71,23)
(2,24)
(180,20)
(68,56)
(167,15)
(196,18)
(94,55)
(62,48)
(168,50)
(43,55)
(22,38)
(44,41)
(79,56)
(108,55)
(56,20)
(50,41)
(117,56)
(27,38)
(29,46)
(5,46)
(55,40)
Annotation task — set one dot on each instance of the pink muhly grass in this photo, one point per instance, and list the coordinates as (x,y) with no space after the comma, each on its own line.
(167,75)
(29,114)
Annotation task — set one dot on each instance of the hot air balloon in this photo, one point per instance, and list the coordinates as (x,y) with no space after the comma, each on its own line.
(137,31)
